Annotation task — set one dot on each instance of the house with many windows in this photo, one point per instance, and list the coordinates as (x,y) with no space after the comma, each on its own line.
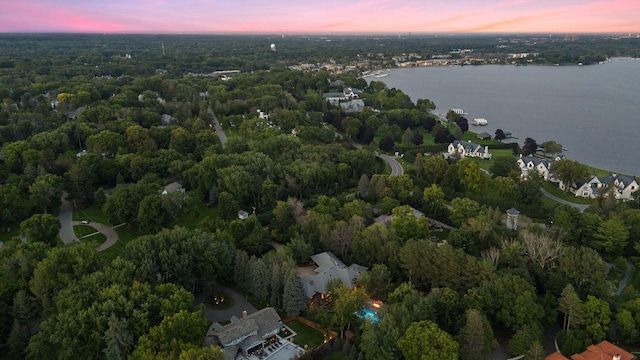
(462,149)
(623,186)
(328,267)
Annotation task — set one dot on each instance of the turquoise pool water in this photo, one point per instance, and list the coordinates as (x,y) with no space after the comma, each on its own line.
(368,314)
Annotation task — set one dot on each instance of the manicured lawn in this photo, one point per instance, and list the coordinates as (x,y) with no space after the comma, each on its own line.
(553,189)
(126,233)
(92,213)
(306,335)
(83,230)
(191,222)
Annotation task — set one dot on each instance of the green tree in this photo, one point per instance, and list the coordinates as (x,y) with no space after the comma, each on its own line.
(471,177)
(46,192)
(475,337)
(506,187)
(570,171)
(524,338)
(571,306)
(294,299)
(505,167)
(346,302)
(597,316)
(434,169)
(42,228)
(551,147)
(377,281)
(612,236)
(118,339)
(172,335)
(433,197)
(363,186)
(424,340)
(535,352)
(463,209)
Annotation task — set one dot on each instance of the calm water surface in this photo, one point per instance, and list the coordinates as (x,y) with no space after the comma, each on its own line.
(593,111)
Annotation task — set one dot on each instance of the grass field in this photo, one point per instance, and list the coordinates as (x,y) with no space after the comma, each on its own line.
(92,213)
(83,230)
(553,189)
(306,335)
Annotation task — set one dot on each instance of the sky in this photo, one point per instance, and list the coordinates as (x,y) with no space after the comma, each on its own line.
(320,16)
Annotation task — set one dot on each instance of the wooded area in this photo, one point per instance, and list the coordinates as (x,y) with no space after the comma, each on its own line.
(81,121)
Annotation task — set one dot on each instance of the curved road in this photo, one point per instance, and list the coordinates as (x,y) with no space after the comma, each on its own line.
(580,207)
(68,236)
(396,167)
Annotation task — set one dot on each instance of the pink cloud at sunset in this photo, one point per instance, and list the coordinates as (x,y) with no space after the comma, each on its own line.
(330,16)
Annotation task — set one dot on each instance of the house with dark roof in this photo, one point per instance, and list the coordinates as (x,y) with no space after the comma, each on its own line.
(601,351)
(329,267)
(531,163)
(469,148)
(623,186)
(173,187)
(245,336)
(346,94)
(351,106)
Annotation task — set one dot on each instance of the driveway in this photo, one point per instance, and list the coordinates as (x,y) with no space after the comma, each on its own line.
(66,222)
(68,236)
(216,124)
(580,207)
(240,304)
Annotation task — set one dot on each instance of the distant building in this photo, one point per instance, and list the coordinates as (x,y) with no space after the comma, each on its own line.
(243,215)
(470,149)
(173,187)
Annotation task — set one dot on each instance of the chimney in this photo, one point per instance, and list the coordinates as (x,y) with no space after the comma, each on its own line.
(616,357)
(244,314)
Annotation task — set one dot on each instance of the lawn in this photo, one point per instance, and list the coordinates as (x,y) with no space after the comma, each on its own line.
(553,189)
(92,213)
(95,240)
(126,233)
(306,335)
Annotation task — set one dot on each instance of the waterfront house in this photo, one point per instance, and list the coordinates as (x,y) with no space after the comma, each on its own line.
(623,186)
(530,163)
(470,149)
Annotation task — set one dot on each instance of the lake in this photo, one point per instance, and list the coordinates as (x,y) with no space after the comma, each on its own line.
(593,111)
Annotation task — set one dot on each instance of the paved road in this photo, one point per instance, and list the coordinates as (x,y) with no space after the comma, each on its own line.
(580,207)
(396,168)
(66,222)
(627,274)
(221,135)
(68,236)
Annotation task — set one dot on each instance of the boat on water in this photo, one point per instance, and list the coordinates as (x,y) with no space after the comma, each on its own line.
(479,121)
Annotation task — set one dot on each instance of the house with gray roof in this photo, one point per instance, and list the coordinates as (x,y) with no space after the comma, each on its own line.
(530,163)
(351,106)
(469,148)
(245,336)
(623,186)
(329,267)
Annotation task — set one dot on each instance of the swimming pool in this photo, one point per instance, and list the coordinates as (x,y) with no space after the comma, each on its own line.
(368,314)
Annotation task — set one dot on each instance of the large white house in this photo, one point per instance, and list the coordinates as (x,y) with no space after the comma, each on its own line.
(470,149)
(329,267)
(624,186)
(346,94)
(542,166)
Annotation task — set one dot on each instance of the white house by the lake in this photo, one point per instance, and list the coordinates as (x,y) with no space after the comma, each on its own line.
(469,148)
